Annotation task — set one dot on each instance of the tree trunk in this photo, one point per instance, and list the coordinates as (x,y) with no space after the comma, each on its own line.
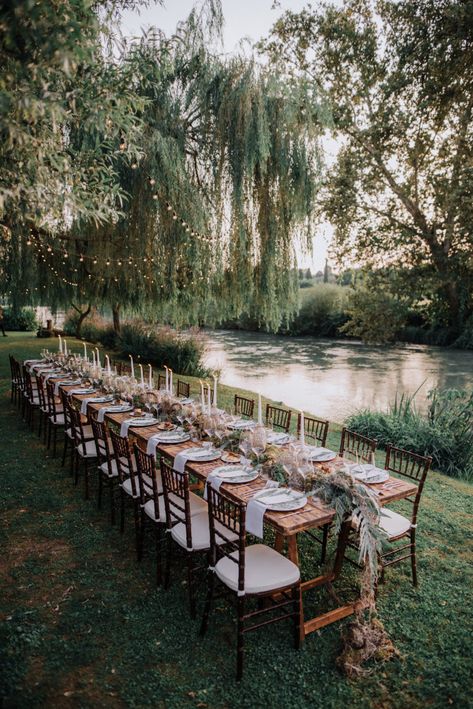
(116,318)
(82,316)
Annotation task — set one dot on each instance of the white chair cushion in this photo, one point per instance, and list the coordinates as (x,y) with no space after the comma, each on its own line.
(128,488)
(90,450)
(149,510)
(114,470)
(200,533)
(58,421)
(393,523)
(265,570)
(197,504)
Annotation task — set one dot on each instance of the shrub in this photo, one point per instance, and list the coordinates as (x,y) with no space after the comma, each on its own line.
(374,315)
(23,319)
(182,351)
(322,311)
(444,432)
(94,328)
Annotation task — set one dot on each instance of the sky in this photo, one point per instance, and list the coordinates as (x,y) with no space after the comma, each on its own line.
(244,19)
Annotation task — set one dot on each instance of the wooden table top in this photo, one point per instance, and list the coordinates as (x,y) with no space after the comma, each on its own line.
(314,514)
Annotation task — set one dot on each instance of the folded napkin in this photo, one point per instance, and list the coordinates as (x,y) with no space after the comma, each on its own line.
(216,478)
(32,361)
(152,445)
(132,422)
(181,458)
(255,511)
(95,399)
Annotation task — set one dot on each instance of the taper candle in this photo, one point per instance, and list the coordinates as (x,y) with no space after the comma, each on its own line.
(302,432)
(215,391)
(260,412)
(141,374)
(150,379)
(132,366)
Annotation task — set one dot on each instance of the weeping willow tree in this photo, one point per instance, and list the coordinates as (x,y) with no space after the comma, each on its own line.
(217,201)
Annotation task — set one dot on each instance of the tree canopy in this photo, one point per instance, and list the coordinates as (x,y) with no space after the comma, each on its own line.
(206,170)
(398,78)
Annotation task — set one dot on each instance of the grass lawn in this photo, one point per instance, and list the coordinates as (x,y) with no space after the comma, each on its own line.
(82,624)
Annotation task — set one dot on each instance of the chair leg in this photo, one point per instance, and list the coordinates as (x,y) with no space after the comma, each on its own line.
(413,557)
(296,598)
(49,435)
(324,543)
(240,632)
(54,441)
(208,602)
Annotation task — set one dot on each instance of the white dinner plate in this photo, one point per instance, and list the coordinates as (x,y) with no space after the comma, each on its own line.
(281,499)
(172,437)
(80,392)
(141,422)
(320,455)
(276,438)
(197,455)
(235,473)
(366,473)
(241,425)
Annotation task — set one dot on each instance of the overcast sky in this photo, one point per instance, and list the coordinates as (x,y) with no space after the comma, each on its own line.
(251,19)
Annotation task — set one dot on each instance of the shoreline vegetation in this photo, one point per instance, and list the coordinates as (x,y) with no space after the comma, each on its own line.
(53,625)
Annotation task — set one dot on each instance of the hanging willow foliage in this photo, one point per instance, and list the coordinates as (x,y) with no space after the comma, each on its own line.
(223,192)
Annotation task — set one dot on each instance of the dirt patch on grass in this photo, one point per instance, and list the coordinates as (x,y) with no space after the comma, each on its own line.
(79,688)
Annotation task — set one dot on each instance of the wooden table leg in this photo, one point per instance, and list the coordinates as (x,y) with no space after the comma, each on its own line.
(279,542)
(292,551)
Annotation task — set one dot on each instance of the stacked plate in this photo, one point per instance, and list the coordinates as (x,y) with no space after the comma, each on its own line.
(235,473)
(369,474)
(241,425)
(276,438)
(320,455)
(175,436)
(281,499)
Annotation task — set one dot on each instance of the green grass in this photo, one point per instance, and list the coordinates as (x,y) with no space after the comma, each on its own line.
(82,624)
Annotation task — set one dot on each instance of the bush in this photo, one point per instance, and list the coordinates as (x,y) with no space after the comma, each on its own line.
(23,319)
(322,311)
(182,351)
(94,328)
(444,432)
(374,315)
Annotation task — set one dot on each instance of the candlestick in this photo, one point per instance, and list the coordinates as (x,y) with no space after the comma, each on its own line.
(202,398)
(141,373)
(60,344)
(132,367)
(215,391)
(302,432)
(85,351)
(260,412)
(150,376)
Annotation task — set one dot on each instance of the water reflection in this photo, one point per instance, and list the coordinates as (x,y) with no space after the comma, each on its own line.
(333,378)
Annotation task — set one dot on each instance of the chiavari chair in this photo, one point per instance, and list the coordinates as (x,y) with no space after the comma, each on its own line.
(85,450)
(187,524)
(56,416)
(151,501)
(18,383)
(315,430)
(278,418)
(183,389)
(128,483)
(250,572)
(357,447)
(31,398)
(15,380)
(243,406)
(161,381)
(43,407)
(397,527)
(107,464)
(68,432)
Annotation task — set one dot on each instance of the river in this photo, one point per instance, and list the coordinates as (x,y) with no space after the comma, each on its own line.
(332,378)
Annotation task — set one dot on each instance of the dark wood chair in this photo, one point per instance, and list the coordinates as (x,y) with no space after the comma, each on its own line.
(85,450)
(243,406)
(249,572)
(128,483)
(56,417)
(357,447)
(151,502)
(278,418)
(397,527)
(43,407)
(107,465)
(68,432)
(187,524)
(161,381)
(15,379)
(315,430)
(30,397)
(183,389)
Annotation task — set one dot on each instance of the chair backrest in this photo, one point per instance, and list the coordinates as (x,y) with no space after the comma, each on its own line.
(161,381)
(19,373)
(124,460)
(28,383)
(102,443)
(409,465)
(11,359)
(52,402)
(78,429)
(278,418)
(183,389)
(315,430)
(231,519)
(66,406)
(176,498)
(243,406)
(355,446)
(146,468)
(41,393)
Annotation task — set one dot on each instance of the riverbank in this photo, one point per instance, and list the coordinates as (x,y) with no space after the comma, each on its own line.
(82,624)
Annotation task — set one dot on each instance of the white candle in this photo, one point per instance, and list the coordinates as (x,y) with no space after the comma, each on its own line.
(141,372)
(302,432)
(167,378)
(202,399)
(132,366)
(85,351)
(215,391)
(93,358)
(98,357)
(150,376)
(60,344)
(208,397)
(65,347)
(107,362)
(170,380)
(260,412)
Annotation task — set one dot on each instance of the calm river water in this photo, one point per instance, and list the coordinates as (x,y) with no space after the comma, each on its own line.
(331,378)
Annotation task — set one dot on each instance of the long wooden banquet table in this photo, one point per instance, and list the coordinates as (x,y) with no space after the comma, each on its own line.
(287,525)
